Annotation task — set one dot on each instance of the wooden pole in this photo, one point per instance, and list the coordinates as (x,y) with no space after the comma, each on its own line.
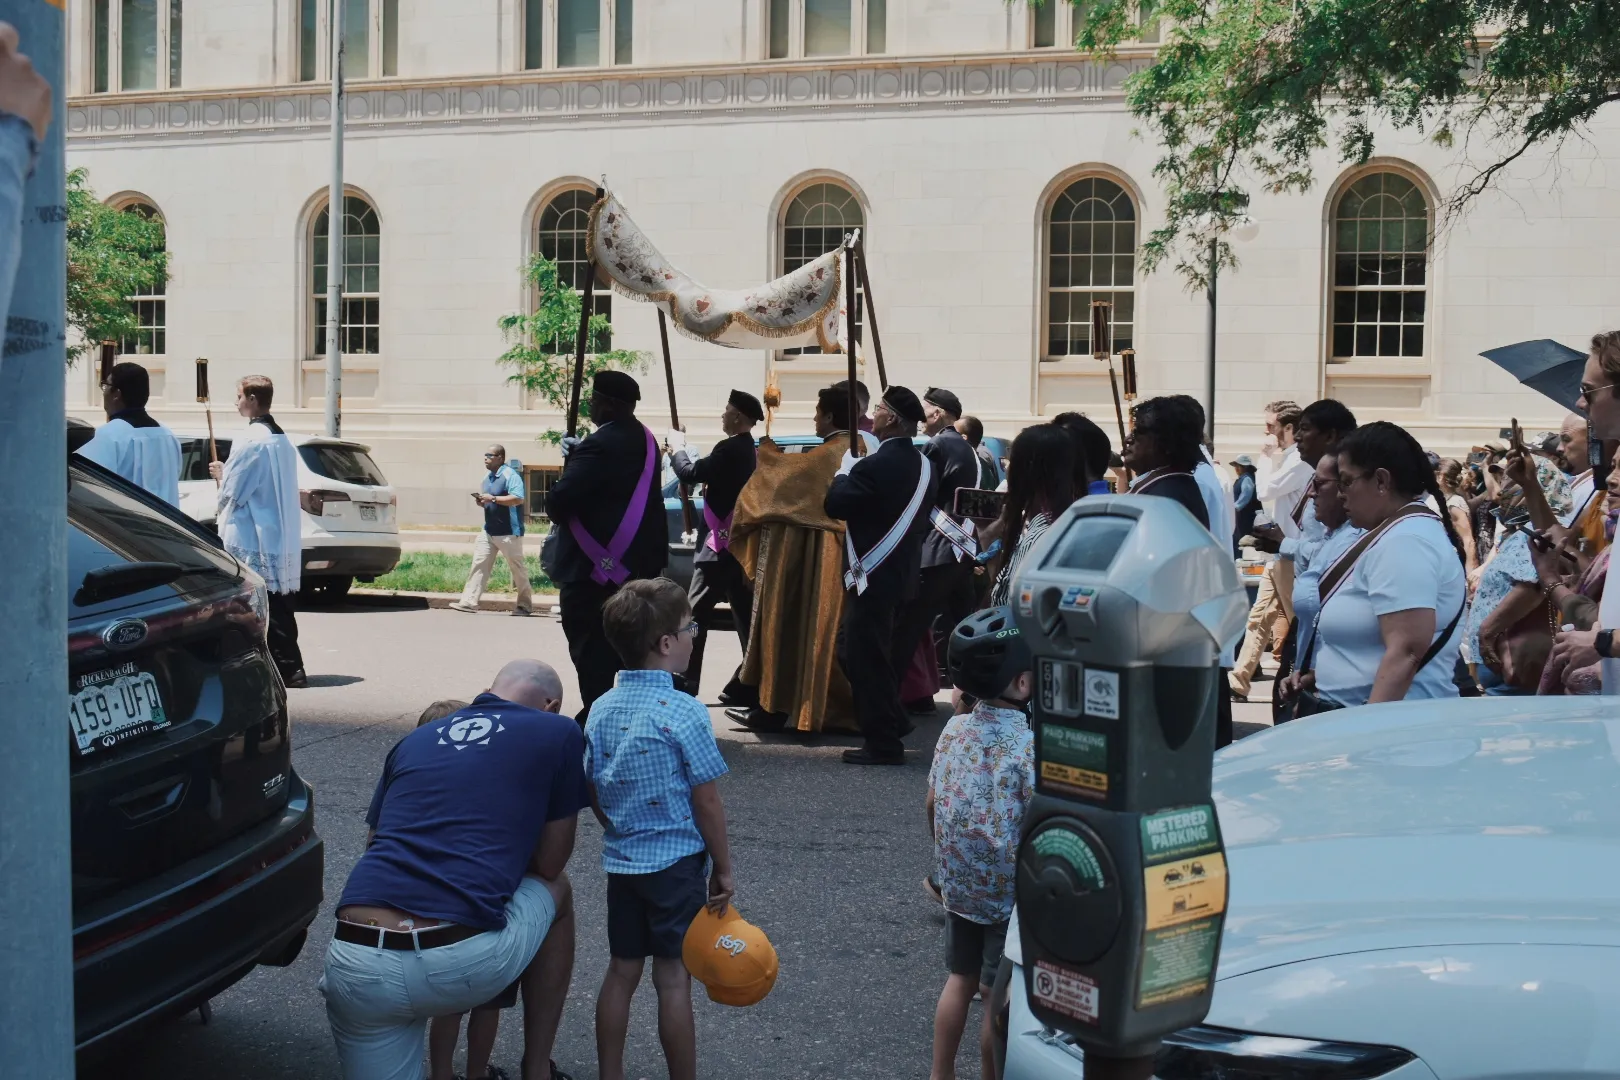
(208,409)
(585,308)
(871,314)
(674,417)
(849,343)
(1102,348)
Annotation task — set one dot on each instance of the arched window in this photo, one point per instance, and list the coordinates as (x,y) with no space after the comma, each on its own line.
(151,306)
(814,222)
(360,326)
(560,236)
(1380,268)
(1090,255)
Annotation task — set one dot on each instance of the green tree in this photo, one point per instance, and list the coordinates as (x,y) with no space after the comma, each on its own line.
(541,344)
(113,254)
(1245,93)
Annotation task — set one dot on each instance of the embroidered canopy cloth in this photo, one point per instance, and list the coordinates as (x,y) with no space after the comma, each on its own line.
(801,308)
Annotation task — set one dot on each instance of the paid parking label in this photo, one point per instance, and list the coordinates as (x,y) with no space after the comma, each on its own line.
(1179,834)
(1074,761)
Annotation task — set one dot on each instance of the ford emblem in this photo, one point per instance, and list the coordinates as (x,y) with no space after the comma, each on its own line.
(124,634)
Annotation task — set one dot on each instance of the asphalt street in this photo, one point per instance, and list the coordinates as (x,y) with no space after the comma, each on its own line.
(829,862)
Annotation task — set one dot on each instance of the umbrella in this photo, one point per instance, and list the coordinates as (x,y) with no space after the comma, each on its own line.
(1545,366)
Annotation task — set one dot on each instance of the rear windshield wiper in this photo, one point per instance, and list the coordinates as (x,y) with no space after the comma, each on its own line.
(110,582)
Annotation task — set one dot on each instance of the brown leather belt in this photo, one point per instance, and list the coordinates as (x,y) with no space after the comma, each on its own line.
(403,940)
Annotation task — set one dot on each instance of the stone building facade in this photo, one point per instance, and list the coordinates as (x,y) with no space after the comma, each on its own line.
(997,175)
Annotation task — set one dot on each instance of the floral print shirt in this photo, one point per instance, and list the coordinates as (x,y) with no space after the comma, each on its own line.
(982,779)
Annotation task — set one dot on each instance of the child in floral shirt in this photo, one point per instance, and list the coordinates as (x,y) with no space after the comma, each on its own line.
(978,787)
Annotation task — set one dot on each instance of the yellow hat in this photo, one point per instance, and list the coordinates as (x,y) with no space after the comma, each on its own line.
(732,958)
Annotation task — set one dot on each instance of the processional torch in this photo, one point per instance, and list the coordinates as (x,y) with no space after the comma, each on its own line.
(208,408)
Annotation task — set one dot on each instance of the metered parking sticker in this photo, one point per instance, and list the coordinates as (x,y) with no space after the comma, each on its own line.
(1065,991)
(1179,834)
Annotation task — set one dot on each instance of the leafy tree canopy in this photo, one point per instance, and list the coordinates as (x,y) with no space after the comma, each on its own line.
(1247,91)
(113,254)
(541,344)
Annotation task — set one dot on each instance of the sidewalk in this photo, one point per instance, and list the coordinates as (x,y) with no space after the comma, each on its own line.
(456,541)
(544,603)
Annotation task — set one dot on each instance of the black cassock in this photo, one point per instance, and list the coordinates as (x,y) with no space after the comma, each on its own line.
(597,482)
(871,498)
(716,574)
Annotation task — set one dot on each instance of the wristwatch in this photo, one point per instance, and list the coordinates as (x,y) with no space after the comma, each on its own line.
(1604,644)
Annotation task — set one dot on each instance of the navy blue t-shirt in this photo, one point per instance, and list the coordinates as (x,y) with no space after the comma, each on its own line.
(460,808)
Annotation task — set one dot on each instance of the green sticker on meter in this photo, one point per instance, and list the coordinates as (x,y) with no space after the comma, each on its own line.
(1071,848)
(1177,962)
(1178,834)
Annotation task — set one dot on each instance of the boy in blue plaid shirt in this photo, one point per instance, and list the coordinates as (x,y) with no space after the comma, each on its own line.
(652,762)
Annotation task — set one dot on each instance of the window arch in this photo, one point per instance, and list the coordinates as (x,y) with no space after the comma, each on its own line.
(151,306)
(360,322)
(1380,268)
(814,222)
(1090,255)
(559,235)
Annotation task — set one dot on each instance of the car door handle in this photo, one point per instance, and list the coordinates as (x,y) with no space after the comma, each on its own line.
(153,800)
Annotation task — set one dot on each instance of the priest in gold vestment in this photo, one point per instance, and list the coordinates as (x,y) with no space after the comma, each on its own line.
(793,553)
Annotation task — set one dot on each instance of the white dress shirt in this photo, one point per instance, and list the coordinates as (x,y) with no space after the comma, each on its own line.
(146,456)
(1282,489)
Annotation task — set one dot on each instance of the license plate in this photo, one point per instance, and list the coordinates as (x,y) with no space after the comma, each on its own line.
(368,511)
(114,705)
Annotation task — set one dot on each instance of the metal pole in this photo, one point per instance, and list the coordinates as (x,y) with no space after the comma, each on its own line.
(334,237)
(36,996)
(1209,363)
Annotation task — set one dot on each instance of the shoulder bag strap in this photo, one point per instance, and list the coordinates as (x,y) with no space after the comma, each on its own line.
(1335,575)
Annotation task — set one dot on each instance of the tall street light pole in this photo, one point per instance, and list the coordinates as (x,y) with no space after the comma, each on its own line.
(334,237)
(1244,228)
(36,953)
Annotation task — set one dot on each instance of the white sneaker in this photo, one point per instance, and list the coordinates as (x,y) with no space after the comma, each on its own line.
(457,605)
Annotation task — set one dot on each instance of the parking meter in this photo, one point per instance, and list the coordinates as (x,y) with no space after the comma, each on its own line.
(1127,604)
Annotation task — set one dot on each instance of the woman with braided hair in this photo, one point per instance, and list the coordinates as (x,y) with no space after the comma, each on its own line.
(1391,604)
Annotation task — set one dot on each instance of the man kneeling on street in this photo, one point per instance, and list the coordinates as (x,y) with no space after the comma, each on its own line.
(461,891)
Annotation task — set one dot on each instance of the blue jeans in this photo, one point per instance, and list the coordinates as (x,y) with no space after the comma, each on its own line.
(1491,684)
(379,1001)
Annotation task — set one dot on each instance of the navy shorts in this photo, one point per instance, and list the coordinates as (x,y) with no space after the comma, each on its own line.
(648,914)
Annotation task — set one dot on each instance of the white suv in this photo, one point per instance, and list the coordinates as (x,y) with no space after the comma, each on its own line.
(351,520)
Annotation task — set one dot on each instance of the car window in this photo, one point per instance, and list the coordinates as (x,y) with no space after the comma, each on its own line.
(112,524)
(194,457)
(350,464)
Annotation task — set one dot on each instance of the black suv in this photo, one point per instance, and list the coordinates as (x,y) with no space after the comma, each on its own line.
(195,855)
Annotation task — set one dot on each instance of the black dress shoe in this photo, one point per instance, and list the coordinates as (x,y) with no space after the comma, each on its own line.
(863,756)
(757,719)
(921,707)
(295,680)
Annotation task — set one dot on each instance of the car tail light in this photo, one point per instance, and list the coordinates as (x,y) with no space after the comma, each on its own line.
(1212,1053)
(314,502)
(393,499)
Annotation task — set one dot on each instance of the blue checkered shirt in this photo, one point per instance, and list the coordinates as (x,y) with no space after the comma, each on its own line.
(647,745)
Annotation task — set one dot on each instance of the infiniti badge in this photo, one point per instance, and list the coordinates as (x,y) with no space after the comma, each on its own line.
(124,634)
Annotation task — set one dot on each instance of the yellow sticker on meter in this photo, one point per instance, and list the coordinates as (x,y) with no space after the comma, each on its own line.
(1185,890)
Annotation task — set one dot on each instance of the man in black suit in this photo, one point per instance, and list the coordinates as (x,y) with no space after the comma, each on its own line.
(716,574)
(607,514)
(883,498)
(948,547)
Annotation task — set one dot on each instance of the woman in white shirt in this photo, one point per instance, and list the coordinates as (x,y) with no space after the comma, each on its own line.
(1450,478)
(1388,626)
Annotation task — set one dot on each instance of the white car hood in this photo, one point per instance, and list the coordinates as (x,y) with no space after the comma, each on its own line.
(1472,821)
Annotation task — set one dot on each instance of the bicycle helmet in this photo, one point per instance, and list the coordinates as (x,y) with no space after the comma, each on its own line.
(987,652)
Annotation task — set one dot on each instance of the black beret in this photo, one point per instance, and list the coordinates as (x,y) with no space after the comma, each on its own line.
(747,404)
(904,404)
(945,400)
(616,384)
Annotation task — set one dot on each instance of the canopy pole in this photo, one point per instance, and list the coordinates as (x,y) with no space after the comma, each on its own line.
(871,313)
(674,419)
(587,303)
(849,342)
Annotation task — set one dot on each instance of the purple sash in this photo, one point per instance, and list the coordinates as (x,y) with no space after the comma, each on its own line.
(719,538)
(607,564)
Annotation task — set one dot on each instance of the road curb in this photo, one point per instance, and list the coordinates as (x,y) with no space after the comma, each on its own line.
(544,603)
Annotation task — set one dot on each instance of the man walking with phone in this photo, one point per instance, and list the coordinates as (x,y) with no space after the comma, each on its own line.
(502,498)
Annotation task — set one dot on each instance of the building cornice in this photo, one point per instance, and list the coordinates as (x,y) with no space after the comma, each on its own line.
(852,85)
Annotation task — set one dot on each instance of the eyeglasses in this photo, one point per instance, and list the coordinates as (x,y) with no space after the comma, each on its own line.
(689,628)
(1588,391)
(1348,480)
